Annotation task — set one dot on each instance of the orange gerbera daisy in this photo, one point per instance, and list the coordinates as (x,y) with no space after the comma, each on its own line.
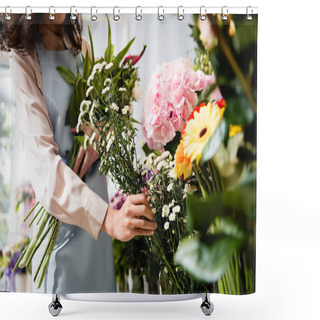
(183,165)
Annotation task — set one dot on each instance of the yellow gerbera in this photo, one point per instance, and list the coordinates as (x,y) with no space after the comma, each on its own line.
(200,126)
(234,129)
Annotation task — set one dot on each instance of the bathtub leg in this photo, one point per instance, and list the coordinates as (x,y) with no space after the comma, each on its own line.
(206,305)
(55,306)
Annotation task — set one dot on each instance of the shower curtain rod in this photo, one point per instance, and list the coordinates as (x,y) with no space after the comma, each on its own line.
(130,10)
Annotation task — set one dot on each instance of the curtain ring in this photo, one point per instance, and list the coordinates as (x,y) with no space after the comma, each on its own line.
(180,15)
(51,15)
(93,16)
(7,17)
(224,12)
(203,15)
(73,16)
(248,16)
(138,16)
(116,17)
(28,16)
(160,16)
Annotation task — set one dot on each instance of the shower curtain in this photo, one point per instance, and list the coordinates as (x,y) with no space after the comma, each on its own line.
(128,153)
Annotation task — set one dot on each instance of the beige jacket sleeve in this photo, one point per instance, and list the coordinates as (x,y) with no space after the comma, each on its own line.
(61,192)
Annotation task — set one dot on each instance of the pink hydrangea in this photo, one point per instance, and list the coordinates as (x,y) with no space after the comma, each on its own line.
(171,97)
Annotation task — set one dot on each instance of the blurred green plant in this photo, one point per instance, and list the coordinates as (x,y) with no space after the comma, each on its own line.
(223,250)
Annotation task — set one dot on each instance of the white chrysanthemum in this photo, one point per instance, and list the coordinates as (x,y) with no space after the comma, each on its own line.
(88,90)
(106,109)
(161,164)
(171,173)
(84,106)
(171,204)
(172,216)
(92,138)
(108,80)
(79,123)
(122,89)
(188,188)
(114,106)
(109,65)
(110,139)
(96,67)
(125,109)
(91,77)
(85,142)
(103,64)
(169,188)
(148,163)
(176,209)
(165,211)
(91,113)
(166,225)
(106,89)
(144,172)
(154,210)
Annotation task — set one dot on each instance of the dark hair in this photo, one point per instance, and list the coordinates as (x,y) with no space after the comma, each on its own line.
(21,34)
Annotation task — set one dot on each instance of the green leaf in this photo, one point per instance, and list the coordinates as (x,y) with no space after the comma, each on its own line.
(201,213)
(147,150)
(86,66)
(214,142)
(135,121)
(121,55)
(92,48)
(238,110)
(173,144)
(206,263)
(242,200)
(67,74)
(109,50)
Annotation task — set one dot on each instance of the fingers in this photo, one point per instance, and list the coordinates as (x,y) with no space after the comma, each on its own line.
(79,160)
(86,129)
(141,232)
(142,211)
(139,199)
(143,224)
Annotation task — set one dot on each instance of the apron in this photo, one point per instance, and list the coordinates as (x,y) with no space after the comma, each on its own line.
(78,264)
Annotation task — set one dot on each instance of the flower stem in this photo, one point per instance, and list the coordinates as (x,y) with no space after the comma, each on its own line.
(203,188)
(27,216)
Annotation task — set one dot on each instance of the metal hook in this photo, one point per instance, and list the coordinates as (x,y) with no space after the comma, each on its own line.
(28,16)
(160,16)
(7,17)
(116,17)
(203,16)
(73,16)
(51,15)
(180,15)
(224,14)
(138,16)
(93,16)
(249,17)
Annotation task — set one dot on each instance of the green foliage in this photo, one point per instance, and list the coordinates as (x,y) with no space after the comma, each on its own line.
(214,142)
(207,262)
(226,224)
